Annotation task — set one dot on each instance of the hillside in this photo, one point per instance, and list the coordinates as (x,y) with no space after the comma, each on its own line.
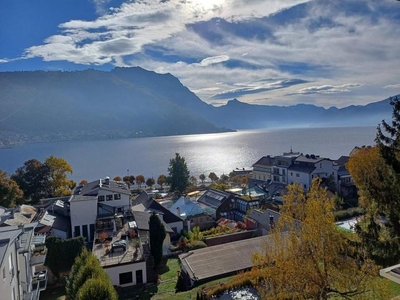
(132,102)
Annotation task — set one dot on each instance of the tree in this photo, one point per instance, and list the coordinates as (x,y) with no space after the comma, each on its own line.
(129,180)
(117,178)
(375,171)
(150,182)
(161,180)
(202,177)
(33,179)
(58,169)
(157,236)
(140,180)
(68,249)
(193,180)
(309,257)
(178,174)
(10,193)
(83,182)
(88,280)
(213,177)
(223,178)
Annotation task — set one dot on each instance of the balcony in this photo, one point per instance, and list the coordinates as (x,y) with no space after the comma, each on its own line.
(39,281)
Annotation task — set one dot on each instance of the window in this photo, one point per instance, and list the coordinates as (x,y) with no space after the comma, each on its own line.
(117,196)
(100,198)
(125,278)
(109,197)
(120,210)
(91,232)
(297,175)
(305,186)
(320,165)
(85,232)
(291,173)
(201,220)
(139,276)
(77,230)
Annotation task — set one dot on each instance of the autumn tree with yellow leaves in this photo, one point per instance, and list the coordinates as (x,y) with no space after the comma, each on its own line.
(310,257)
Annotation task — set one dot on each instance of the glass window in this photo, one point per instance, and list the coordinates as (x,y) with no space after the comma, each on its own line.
(77,230)
(100,198)
(125,278)
(117,196)
(109,197)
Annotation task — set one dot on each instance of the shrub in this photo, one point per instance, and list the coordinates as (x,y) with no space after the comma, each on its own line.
(197,245)
(348,213)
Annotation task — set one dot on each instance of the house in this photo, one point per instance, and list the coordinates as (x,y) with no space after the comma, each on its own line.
(23,214)
(263,221)
(22,255)
(262,168)
(145,202)
(142,219)
(97,199)
(307,167)
(347,187)
(273,168)
(217,201)
(193,214)
(121,252)
(54,224)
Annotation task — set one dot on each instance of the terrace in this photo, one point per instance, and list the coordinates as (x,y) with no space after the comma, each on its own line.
(113,248)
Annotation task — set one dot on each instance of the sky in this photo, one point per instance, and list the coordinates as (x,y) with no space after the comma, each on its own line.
(267,52)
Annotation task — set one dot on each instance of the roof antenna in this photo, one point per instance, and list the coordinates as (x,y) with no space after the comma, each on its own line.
(291,150)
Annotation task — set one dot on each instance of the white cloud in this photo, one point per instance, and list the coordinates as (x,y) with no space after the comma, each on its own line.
(328,89)
(392,86)
(321,43)
(213,60)
(3,61)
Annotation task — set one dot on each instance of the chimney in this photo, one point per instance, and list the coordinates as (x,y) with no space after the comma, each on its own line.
(271,220)
(107,180)
(100,182)
(178,210)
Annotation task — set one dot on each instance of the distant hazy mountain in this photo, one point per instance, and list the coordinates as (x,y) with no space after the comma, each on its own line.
(128,102)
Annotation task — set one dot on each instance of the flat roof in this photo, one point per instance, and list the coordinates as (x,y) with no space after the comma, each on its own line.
(392,273)
(222,259)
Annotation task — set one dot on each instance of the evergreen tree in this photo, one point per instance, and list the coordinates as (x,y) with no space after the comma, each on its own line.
(157,236)
(178,174)
(88,280)
(376,173)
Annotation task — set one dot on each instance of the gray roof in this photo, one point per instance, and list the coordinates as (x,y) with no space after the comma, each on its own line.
(265,161)
(93,188)
(76,198)
(310,158)
(142,221)
(222,259)
(301,168)
(7,235)
(56,221)
(214,198)
(263,217)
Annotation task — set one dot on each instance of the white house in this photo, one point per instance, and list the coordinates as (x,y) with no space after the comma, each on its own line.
(19,258)
(307,167)
(97,199)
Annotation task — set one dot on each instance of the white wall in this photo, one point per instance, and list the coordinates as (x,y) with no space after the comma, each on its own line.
(124,201)
(6,286)
(303,179)
(177,225)
(113,272)
(83,213)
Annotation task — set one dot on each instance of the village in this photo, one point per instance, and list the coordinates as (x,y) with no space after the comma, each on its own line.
(113,218)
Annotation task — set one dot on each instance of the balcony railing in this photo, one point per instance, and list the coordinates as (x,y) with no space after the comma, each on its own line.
(38,258)
(39,280)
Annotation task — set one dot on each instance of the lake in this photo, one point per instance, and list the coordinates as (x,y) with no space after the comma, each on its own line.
(204,153)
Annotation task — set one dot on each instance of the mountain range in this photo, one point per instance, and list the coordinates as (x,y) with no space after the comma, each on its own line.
(132,102)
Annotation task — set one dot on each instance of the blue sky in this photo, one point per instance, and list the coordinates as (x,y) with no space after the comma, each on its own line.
(272,52)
